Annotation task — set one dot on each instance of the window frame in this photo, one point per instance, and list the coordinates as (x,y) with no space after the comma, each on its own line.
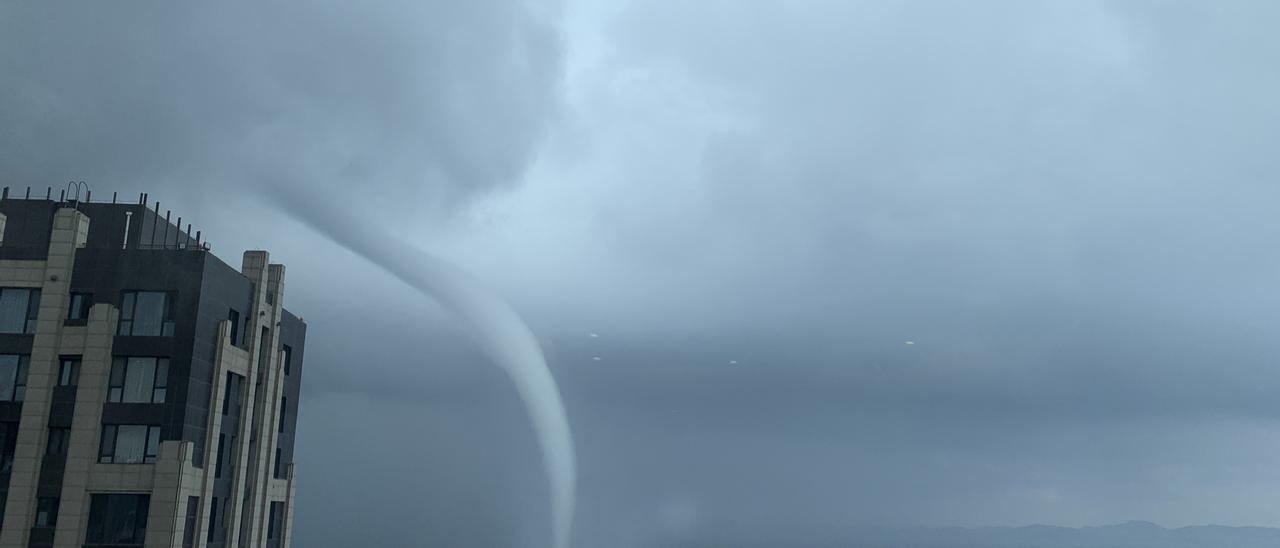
(222,448)
(275,520)
(213,520)
(79,313)
(191,521)
(100,507)
(21,369)
(284,410)
(49,507)
(58,441)
(117,383)
(111,433)
(32,309)
(128,313)
(69,370)
(231,393)
(233,317)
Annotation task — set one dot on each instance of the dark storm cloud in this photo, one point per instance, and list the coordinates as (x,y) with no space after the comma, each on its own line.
(422,101)
(416,107)
(726,223)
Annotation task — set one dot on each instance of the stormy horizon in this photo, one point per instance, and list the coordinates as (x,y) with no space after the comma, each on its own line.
(801,271)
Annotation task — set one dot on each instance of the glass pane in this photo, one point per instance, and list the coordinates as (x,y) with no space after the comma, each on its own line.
(148,315)
(68,372)
(13,310)
(73,310)
(131,443)
(117,372)
(126,309)
(158,395)
(139,380)
(8,373)
(33,310)
(108,449)
(162,372)
(153,443)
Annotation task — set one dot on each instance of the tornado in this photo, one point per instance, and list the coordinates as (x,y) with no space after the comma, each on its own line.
(500,333)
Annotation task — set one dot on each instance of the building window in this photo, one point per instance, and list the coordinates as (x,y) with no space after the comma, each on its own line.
(138,380)
(79,306)
(8,446)
(59,439)
(222,447)
(284,409)
(275,521)
(275,472)
(189,531)
(233,316)
(129,444)
(46,511)
(18,309)
(231,394)
(13,376)
(117,521)
(213,520)
(146,314)
(69,371)
(287,358)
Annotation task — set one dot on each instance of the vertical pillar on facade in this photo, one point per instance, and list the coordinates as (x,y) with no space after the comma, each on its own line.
(249,483)
(82,451)
(223,358)
(70,230)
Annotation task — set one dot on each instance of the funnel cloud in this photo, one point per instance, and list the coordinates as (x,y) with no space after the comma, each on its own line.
(499,332)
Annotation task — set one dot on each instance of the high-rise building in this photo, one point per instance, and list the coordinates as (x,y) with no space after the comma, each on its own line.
(148,391)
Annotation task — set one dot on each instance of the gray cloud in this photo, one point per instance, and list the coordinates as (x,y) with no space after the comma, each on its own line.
(412,101)
(1065,206)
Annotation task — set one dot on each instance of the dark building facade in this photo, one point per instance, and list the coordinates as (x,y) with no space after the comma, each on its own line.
(148,390)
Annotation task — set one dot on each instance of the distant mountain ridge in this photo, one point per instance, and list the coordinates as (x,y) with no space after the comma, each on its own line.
(1133,534)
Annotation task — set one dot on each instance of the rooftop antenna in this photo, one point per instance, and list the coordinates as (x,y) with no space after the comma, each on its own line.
(152,242)
(128,217)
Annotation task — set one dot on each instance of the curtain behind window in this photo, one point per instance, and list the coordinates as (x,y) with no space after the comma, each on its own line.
(140,377)
(13,310)
(8,372)
(131,443)
(148,314)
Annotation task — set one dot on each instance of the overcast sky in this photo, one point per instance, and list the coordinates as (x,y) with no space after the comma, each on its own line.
(799,267)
